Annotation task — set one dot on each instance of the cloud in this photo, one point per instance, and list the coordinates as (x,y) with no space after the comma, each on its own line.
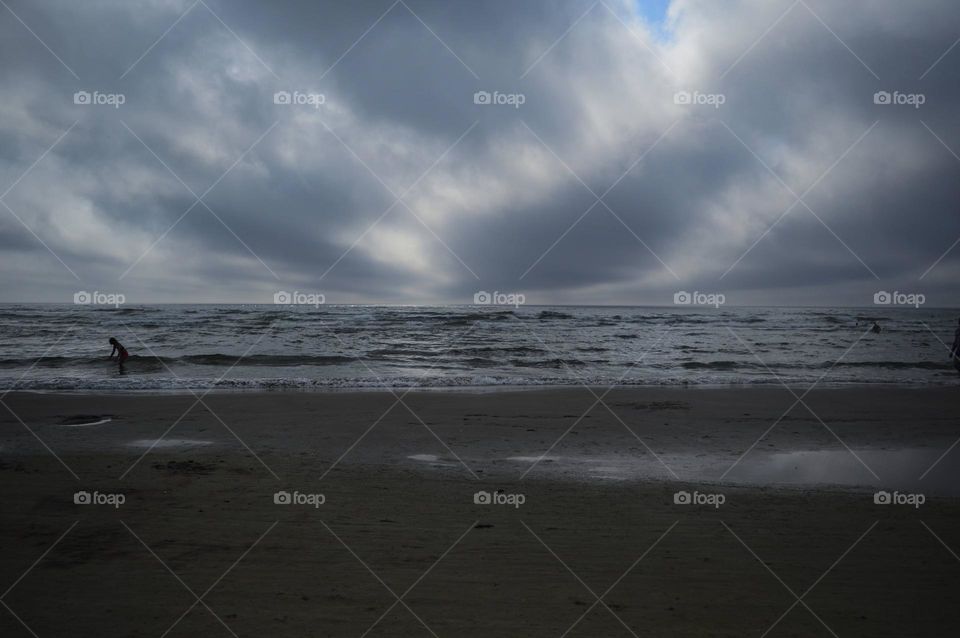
(780,180)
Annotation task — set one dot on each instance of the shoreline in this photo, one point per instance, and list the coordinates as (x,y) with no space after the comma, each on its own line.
(597,506)
(490,389)
(755,436)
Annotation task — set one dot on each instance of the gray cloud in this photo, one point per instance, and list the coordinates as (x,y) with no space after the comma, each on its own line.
(305,197)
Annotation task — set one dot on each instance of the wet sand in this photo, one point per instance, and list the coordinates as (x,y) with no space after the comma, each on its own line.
(398,514)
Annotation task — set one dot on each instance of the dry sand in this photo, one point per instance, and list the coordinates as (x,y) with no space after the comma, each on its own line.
(399,518)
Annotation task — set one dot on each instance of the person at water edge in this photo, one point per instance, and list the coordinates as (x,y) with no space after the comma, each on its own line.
(875,329)
(955,350)
(120,351)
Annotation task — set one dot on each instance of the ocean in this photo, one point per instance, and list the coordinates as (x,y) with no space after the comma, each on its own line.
(177,347)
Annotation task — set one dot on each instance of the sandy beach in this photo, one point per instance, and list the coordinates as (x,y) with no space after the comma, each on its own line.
(584,536)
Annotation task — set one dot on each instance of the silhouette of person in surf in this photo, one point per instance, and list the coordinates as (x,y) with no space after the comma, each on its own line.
(120,351)
(955,350)
(875,329)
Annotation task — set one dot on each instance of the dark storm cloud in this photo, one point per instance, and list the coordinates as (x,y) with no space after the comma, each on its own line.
(296,196)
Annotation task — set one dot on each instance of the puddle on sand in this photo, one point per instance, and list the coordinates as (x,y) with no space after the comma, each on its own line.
(168,443)
(534,459)
(433,459)
(916,470)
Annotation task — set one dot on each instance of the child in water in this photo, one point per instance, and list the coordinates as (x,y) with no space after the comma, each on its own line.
(120,351)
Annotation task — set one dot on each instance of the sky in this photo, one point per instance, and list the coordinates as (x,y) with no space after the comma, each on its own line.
(778,152)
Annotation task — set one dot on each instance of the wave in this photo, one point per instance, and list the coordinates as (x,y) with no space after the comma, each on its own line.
(548,363)
(714,365)
(215,359)
(552,314)
(893,365)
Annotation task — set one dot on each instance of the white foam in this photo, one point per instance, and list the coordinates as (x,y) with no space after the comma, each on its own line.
(427,458)
(533,459)
(84,425)
(432,459)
